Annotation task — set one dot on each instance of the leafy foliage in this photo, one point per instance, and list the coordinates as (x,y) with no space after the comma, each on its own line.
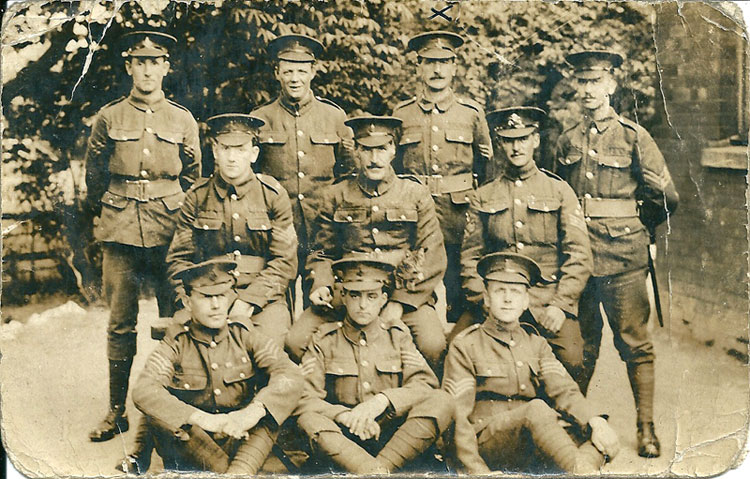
(62,64)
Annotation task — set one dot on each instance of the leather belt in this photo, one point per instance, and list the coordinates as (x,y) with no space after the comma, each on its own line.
(439,184)
(247,263)
(144,190)
(609,208)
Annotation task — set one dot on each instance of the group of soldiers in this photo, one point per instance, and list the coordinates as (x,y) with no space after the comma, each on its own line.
(373,213)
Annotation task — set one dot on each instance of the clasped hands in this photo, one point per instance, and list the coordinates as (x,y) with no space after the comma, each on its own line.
(235,424)
(360,420)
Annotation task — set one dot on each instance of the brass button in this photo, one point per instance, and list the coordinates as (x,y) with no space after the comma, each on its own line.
(435,148)
(236,216)
(146,151)
(362,342)
(213,344)
(592,152)
(593,130)
(519,224)
(589,175)
(567,161)
(519,363)
(587,196)
(402,217)
(460,138)
(554,277)
(234,197)
(375,208)
(214,366)
(144,173)
(521,245)
(511,343)
(375,231)
(366,386)
(301,154)
(434,128)
(149,130)
(348,218)
(217,391)
(300,133)
(519,183)
(435,167)
(301,174)
(237,237)
(301,196)
(205,227)
(149,111)
(517,201)
(340,370)
(236,252)
(588,219)
(244,360)
(377,250)
(523,387)
(187,386)
(364,363)
(242,375)
(627,229)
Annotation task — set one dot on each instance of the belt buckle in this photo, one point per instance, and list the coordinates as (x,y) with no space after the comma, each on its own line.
(434,183)
(142,197)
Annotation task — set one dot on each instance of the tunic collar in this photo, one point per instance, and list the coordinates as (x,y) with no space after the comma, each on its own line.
(513,173)
(353,333)
(442,102)
(602,123)
(147,103)
(223,188)
(207,335)
(376,188)
(505,336)
(297,108)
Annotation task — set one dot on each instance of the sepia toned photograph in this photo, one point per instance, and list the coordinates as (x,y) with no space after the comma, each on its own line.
(378,237)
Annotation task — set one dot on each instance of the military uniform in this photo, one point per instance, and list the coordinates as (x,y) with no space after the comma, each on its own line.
(215,371)
(347,365)
(534,213)
(509,390)
(604,160)
(252,223)
(304,144)
(142,153)
(446,144)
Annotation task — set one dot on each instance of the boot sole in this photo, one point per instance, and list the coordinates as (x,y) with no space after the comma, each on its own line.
(103,436)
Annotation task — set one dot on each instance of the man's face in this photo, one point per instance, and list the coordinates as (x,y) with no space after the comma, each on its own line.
(211,311)
(234,163)
(520,151)
(437,74)
(374,161)
(594,93)
(295,78)
(363,307)
(147,72)
(506,301)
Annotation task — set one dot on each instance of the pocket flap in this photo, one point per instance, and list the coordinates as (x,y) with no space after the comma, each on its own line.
(342,368)
(493,206)
(460,197)
(491,370)
(389,365)
(401,214)
(627,227)
(174,202)
(207,223)
(350,215)
(410,137)
(459,136)
(242,373)
(324,138)
(175,137)
(544,204)
(571,158)
(189,382)
(114,201)
(615,161)
(258,221)
(275,137)
(119,134)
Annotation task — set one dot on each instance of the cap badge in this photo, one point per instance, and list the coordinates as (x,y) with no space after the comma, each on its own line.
(515,121)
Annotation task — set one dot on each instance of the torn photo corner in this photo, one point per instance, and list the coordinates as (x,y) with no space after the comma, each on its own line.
(205,205)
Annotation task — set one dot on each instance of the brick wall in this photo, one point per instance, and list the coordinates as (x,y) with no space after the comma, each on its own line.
(706,261)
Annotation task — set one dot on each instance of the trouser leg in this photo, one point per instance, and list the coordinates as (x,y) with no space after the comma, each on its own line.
(274,321)
(328,440)
(121,281)
(567,343)
(429,338)
(195,450)
(409,441)
(253,451)
(156,267)
(590,322)
(454,297)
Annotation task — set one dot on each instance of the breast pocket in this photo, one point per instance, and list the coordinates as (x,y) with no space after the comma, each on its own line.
(206,233)
(459,142)
(323,155)
(127,152)
(496,220)
(166,157)
(400,225)
(240,376)
(342,381)
(614,171)
(188,384)
(390,372)
(543,219)
(495,377)
(349,224)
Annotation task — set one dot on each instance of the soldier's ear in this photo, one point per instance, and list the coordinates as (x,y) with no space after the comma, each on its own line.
(535,139)
(254,152)
(611,84)
(128,67)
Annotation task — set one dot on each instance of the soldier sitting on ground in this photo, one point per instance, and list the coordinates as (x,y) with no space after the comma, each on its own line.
(510,390)
(369,404)
(378,212)
(215,391)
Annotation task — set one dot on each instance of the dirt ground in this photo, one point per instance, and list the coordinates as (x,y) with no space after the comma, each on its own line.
(54,390)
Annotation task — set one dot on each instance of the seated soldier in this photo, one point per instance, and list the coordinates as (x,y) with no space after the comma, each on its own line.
(369,404)
(510,389)
(243,216)
(214,391)
(377,212)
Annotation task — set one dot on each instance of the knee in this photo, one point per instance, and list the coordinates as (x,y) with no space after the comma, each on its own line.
(539,412)
(432,345)
(440,406)
(300,334)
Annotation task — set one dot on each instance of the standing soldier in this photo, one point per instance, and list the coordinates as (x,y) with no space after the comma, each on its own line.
(142,154)
(613,165)
(304,142)
(370,404)
(510,390)
(244,216)
(214,392)
(530,211)
(446,145)
(393,218)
